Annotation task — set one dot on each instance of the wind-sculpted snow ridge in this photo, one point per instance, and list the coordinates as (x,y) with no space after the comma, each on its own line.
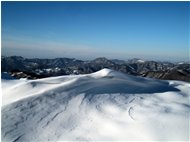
(106,105)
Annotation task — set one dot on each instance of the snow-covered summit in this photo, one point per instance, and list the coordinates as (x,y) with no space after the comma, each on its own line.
(106,105)
(103,72)
(140,61)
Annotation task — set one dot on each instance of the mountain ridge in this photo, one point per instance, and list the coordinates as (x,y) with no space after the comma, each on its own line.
(39,68)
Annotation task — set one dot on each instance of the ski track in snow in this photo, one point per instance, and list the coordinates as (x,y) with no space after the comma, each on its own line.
(105,105)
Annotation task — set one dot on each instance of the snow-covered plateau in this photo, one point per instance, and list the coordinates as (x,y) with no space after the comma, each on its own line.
(105,105)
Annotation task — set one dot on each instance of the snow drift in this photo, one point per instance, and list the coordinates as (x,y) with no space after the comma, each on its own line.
(106,105)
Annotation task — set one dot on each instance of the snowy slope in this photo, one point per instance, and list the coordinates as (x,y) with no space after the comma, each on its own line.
(106,105)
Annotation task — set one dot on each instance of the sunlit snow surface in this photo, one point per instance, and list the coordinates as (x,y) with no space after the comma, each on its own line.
(105,105)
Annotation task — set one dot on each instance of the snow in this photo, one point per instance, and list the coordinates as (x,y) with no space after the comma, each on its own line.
(140,61)
(102,73)
(180,63)
(106,105)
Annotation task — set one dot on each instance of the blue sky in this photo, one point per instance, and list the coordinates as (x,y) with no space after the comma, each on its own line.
(86,30)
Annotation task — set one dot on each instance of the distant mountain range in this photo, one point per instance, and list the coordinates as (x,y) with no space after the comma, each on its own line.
(19,67)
